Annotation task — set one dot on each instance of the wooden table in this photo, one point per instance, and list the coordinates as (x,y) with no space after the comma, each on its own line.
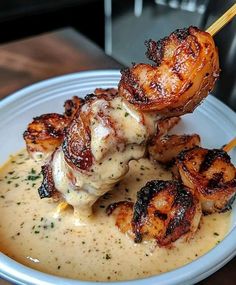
(34,59)
(65,51)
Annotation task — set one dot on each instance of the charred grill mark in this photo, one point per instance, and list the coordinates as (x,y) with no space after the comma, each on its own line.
(132,85)
(51,125)
(211,156)
(144,196)
(158,87)
(90,97)
(161,216)
(49,117)
(111,208)
(155,50)
(217,178)
(182,34)
(47,188)
(53,132)
(153,85)
(176,70)
(183,202)
(191,51)
(221,187)
(182,155)
(178,221)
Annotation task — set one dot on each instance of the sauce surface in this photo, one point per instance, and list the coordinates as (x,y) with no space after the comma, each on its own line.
(32,233)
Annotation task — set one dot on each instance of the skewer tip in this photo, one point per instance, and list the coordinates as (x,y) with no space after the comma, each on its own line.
(222,21)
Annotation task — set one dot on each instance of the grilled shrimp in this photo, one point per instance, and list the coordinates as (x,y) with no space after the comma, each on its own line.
(164,211)
(164,125)
(166,148)
(72,106)
(45,134)
(211,177)
(186,68)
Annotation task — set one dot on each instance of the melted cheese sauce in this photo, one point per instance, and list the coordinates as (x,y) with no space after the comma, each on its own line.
(32,234)
(117,136)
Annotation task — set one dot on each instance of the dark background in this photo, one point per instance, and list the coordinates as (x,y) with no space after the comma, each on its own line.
(24,18)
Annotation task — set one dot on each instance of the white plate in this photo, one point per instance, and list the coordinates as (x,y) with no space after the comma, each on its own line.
(213,121)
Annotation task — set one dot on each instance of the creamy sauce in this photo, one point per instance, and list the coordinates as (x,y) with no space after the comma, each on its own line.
(114,142)
(32,234)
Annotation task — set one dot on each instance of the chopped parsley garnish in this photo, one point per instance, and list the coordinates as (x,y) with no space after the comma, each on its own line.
(33,177)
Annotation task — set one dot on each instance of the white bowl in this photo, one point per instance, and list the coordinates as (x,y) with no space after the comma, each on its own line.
(214,121)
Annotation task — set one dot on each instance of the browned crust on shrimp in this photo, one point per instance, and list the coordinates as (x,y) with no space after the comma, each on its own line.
(47,189)
(164,125)
(45,133)
(76,145)
(72,106)
(124,215)
(77,140)
(210,175)
(166,149)
(164,211)
(106,91)
(186,69)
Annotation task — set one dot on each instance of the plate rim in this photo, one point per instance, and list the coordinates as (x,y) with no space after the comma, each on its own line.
(53,80)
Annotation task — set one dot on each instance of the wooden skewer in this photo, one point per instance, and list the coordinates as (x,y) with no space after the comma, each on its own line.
(230,145)
(222,21)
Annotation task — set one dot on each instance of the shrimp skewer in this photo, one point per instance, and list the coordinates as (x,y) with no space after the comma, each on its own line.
(185,70)
(210,175)
(117,126)
(164,211)
(168,210)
